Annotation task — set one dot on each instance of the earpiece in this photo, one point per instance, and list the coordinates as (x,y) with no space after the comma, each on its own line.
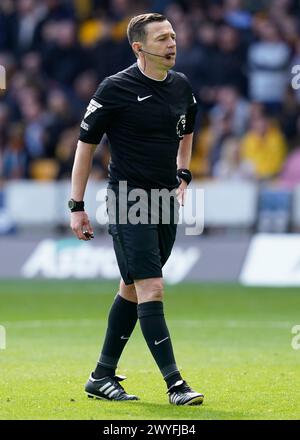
(154,54)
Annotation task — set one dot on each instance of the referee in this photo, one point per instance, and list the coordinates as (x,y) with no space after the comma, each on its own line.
(148,113)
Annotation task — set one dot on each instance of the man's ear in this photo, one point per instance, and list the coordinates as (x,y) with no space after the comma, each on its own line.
(136,47)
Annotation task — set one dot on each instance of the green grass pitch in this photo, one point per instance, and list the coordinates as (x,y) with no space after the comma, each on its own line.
(232,343)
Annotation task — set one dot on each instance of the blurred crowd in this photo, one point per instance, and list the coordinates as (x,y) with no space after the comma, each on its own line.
(238,56)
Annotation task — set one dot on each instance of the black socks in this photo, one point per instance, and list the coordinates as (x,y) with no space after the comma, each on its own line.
(121,322)
(156,334)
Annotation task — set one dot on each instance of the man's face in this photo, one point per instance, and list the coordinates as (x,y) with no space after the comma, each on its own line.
(161,40)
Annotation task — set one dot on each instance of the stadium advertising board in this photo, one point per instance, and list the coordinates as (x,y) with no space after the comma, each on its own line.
(203,260)
(272,260)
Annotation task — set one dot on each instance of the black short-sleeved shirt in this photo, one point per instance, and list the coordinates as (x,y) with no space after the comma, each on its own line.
(144,120)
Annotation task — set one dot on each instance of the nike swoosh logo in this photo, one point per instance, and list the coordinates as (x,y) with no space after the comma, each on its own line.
(124,337)
(143,98)
(159,342)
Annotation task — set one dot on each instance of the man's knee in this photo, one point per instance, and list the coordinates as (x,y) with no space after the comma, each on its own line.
(150,289)
(128,291)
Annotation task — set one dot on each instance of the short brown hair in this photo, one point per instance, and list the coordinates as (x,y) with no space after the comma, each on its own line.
(136,28)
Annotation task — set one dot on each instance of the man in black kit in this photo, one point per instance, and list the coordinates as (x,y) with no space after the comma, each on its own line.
(148,113)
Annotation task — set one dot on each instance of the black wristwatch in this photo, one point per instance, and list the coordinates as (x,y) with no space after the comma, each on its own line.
(76,206)
(185,175)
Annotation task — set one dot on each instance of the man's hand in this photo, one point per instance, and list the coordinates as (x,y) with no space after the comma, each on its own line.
(80,224)
(180,192)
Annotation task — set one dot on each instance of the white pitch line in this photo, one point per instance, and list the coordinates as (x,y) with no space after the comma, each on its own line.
(174,322)
(234,323)
(53,323)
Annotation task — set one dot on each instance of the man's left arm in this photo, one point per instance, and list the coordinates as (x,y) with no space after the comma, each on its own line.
(185,146)
(183,162)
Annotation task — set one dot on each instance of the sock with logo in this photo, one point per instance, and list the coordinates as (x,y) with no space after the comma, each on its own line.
(156,334)
(121,322)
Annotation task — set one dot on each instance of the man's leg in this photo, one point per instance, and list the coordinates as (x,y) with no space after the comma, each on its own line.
(121,322)
(103,383)
(151,316)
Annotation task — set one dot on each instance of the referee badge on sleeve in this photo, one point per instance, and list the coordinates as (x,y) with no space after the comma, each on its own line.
(180,126)
(84,125)
(92,107)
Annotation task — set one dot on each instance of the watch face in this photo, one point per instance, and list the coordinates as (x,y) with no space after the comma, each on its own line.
(71,204)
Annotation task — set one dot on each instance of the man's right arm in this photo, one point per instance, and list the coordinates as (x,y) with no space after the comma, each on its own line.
(80,173)
(99,114)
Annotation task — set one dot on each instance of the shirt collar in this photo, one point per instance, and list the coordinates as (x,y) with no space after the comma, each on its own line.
(147,76)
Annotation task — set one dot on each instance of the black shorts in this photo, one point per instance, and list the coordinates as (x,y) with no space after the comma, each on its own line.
(141,249)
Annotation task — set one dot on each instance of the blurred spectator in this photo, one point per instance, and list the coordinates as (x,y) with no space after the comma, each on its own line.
(206,40)
(278,9)
(34,116)
(58,10)
(207,37)
(208,145)
(119,9)
(31,64)
(93,29)
(236,15)
(229,117)
(297,137)
(289,118)
(200,164)
(120,54)
(221,131)
(160,5)
(268,61)
(24,26)
(58,118)
(215,11)
(229,64)
(4,124)
(65,154)
(65,151)
(264,146)
(189,57)
(175,14)
(230,102)
(14,161)
(64,59)
(84,87)
(230,166)
(289,28)
(225,64)
(6,9)
(290,175)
